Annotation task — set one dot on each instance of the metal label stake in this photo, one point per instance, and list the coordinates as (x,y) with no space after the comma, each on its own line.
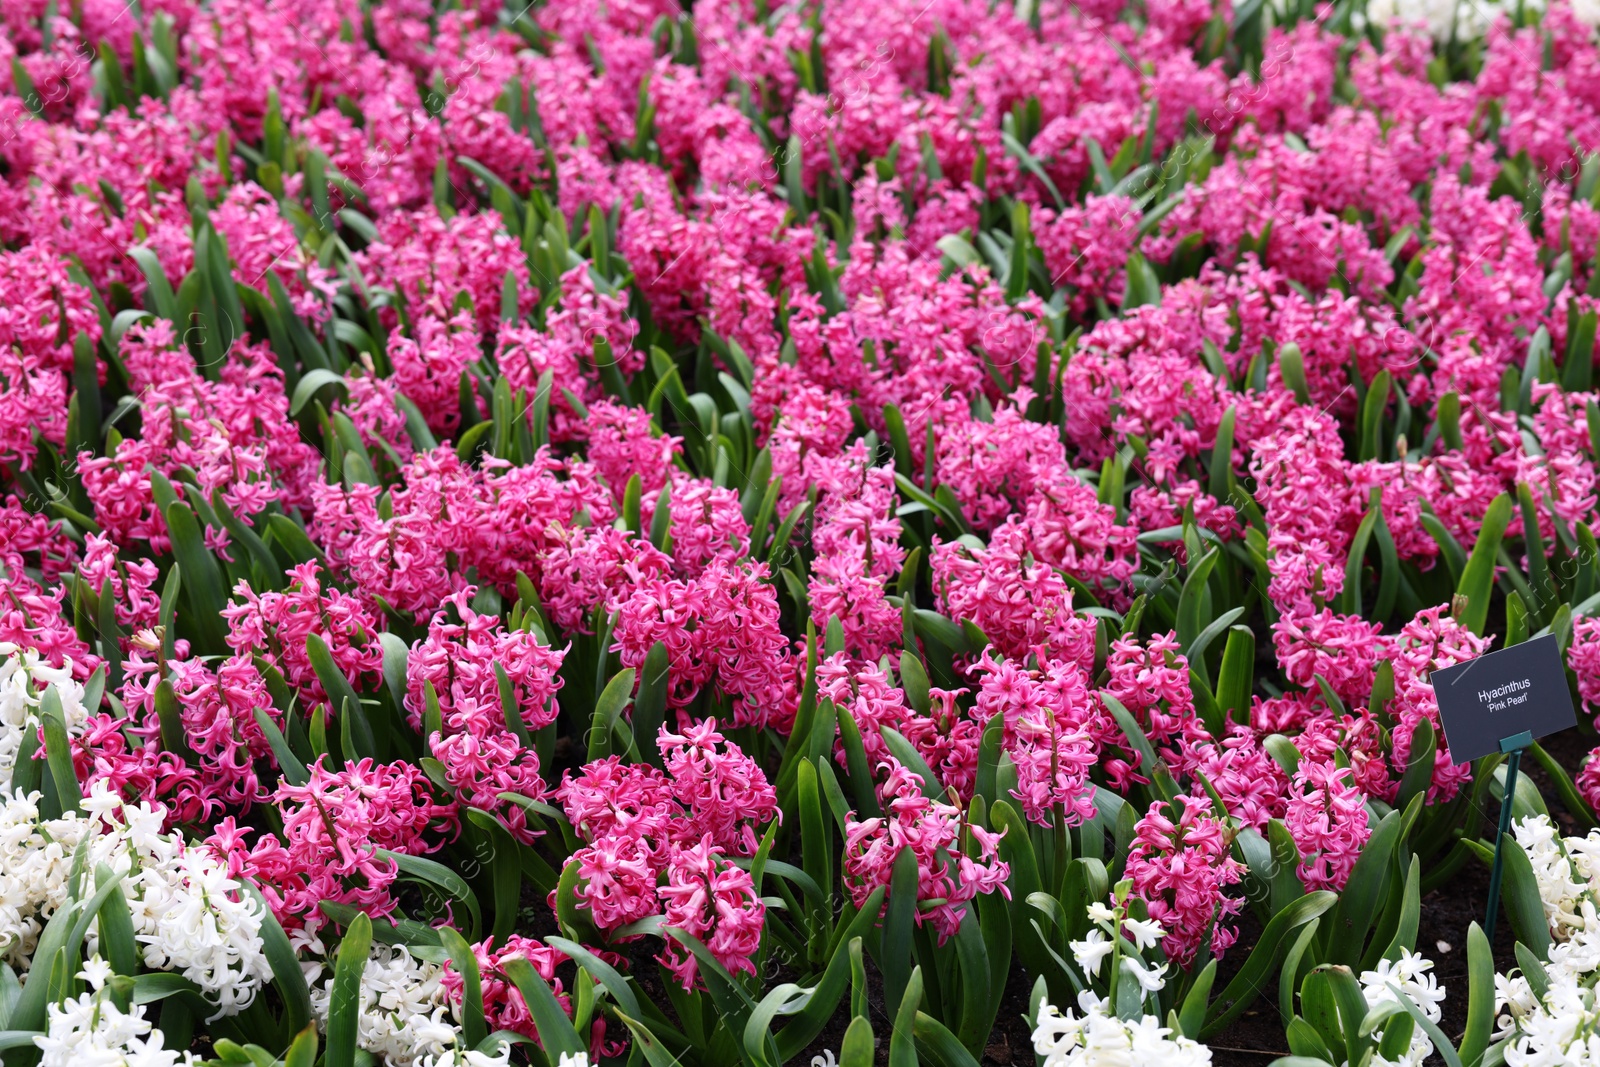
(1513,747)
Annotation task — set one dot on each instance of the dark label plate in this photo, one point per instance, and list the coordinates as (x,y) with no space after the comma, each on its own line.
(1501,694)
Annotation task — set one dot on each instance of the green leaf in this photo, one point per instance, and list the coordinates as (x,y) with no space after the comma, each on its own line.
(1221,473)
(608,710)
(441,876)
(1441,1043)
(650,703)
(285,965)
(556,1032)
(1372,409)
(860,770)
(203,587)
(1519,892)
(1236,676)
(906,753)
(1193,600)
(805,1026)
(303,1050)
(1480,997)
(732,1002)
(473,1026)
(174,738)
(1292,368)
(1358,904)
(1477,580)
(894,960)
(1419,768)
(310,384)
(58,751)
(941,1046)
(902,1039)
(859,1047)
(785,999)
(1193,1014)
(117,940)
(1254,977)
(294,772)
(344,997)
(1160,781)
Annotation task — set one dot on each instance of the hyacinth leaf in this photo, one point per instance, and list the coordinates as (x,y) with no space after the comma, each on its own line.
(1160,781)
(1295,964)
(1353,1008)
(608,711)
(312,383)
(58,752)
(17,1039)
(734,1005)
(902,1038)
(894,953)
(1194,600)
(1253,978)
(1477,579)
(1406,918)
(409,933)
(994,916)
(1192,1016)
(976,1020)
(344,998)
(829,989)
(816,846)
(785,999)
(203,588)
(1545,592)
(657,1054)
(989,755)
(556,1032)
(908,756)
(935,1041)
(117,940)
(505,870)
(1420,764)
(1533,970)
(1292,368)
(61,940)
(156,986)
(438,875)
(650,703)
(1372,410)
(1441,1043)
(859,1047)
(1519,893)
(1480,997)
(614,983)
(286,973)
(473,1026)
(1346,932)
(1571,798)
(303,1050)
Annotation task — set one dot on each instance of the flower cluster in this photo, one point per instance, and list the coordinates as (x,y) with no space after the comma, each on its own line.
(1556,1020)
(189,915)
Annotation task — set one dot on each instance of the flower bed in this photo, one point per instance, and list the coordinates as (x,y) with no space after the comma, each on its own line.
(616,533)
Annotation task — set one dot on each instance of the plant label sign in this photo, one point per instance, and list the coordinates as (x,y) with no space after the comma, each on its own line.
(1501,694)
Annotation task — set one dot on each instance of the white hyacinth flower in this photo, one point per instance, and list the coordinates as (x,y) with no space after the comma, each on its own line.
(90,1029)
(405,1014)
(188,915)
(24,677)
(1097,1038)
